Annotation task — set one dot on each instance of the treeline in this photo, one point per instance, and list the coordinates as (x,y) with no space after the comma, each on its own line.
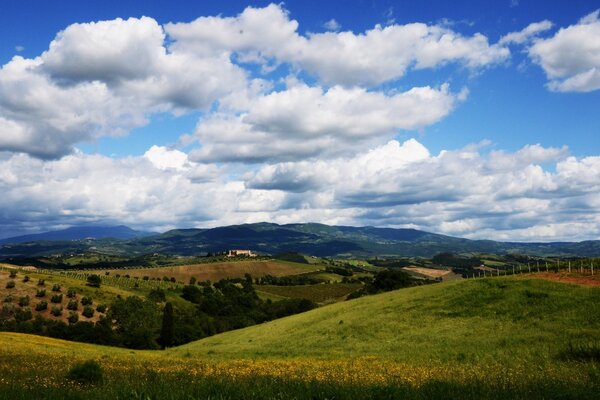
(291,280)
(151,323)
(385,281)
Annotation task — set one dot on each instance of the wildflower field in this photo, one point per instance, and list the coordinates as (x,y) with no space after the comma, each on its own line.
(498,338)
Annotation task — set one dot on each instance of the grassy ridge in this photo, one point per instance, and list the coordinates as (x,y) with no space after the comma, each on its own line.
(490,338)
(477,320)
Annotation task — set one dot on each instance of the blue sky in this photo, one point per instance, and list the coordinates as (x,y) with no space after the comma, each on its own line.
(188,126)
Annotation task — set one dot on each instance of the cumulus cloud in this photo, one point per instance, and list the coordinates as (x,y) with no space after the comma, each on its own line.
(332,25)
(378,55)
(527,33)
(461,192)
(103,79)
(571,58)
(304,121)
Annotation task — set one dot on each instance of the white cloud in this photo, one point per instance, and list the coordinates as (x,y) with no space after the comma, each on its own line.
(103,79)
(527,33)
(305,121)
(462,192)
(378,55)
(332,25)
(571,58)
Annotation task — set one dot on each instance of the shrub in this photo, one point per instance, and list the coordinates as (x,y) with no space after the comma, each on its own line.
(10,284)
(41,306)
(73,317)
(24,301)
(157,295)
(88,312)
(7,311)
(71,293)
(41,282)
(23,314)
(86,301)
(88,372)
(26,278)
(146,278)
(40,293)
(192,281)
(57,298)
(107,273)
(94,280)
(56,287)
(101,308)
(173,279)
(8,299)
(72,305)
(57,311)
(13,274)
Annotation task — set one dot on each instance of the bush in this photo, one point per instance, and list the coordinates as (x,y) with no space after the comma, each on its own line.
(23,314)
(41,306)
(41,282)
(57,298)
(10,284)
(73,317)
(24,301)
(88,312)
(101,308)
(8,299)
(86,301)
(88,372)
(13,274)
(57,311)
(157,295)
(192,281)
(71,293)
(40,293)
(72,305)
(7,311)
(56,287)
(26,278)
(94,280)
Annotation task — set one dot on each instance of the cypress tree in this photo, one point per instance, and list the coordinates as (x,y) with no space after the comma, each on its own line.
(167,330)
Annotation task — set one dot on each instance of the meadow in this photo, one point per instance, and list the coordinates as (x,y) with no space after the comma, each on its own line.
(504,338)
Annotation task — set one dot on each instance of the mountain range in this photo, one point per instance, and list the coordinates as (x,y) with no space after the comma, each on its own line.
(267,238)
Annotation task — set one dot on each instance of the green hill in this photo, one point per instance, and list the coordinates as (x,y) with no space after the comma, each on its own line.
(490,338)
(487,320)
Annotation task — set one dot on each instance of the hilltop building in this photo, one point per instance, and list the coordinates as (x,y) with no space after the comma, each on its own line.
(237,252)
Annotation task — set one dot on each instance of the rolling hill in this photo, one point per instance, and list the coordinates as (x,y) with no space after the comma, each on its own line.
(313,239)
(488,338)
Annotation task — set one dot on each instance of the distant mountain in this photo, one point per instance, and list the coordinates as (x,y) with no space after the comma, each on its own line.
(79,233)
(310,238)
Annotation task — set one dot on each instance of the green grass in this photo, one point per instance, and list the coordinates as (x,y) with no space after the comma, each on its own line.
(485,320)
(319,293)
(498,338)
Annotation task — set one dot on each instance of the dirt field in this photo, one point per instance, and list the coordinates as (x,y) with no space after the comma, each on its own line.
(565,277)
(429,272)
(217,271)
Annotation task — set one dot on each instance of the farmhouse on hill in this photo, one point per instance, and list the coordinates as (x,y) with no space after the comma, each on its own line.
(237,252)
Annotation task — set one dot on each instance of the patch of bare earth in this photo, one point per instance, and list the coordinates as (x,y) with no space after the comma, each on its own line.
(566,277)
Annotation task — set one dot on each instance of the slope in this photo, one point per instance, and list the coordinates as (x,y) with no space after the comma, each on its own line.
(487,320)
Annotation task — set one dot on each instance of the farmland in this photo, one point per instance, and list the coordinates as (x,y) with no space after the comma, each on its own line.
(216,271)
(486,338)
(319,293)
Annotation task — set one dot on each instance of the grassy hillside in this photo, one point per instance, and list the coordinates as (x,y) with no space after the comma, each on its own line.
(488,338)
(486,320)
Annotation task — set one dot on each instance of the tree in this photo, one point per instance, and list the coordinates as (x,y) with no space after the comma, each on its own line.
(94,280)
(168,327)
(137,322)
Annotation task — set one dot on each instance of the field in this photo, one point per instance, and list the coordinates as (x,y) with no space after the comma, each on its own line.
(103,295)
(481,338)
(321,293)
(218,270)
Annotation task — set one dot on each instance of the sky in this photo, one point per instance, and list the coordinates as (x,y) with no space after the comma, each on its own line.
(467,118)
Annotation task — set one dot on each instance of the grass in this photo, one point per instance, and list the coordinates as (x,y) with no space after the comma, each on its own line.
(319,293)
(500,338)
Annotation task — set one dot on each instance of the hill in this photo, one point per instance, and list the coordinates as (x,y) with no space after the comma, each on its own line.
(487,338)
(311,239)
(79,233)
